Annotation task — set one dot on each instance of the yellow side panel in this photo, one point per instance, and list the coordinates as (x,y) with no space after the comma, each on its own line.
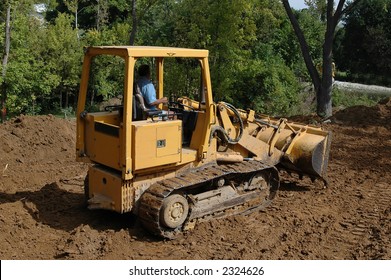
(168,141)
(156,143)
(197,138)
(102,141)
(106,150)
(108,191)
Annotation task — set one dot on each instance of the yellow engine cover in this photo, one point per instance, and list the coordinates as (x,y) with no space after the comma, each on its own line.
(156,143)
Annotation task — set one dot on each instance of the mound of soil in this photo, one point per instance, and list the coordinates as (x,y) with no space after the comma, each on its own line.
(43,215)
(35,150)
(379,115)
(36,138)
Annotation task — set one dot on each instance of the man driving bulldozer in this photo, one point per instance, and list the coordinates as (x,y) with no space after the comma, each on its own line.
(147,88)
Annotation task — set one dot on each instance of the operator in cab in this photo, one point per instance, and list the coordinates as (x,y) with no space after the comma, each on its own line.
(148,89)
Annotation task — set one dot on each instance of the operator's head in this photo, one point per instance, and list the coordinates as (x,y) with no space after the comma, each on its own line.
(144,71)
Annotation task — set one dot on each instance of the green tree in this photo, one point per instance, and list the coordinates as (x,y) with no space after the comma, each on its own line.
(263,81)
(44,64)
(6,46)
(139,10)
(364,49)
(19,81)
(323,82)
(250,44)
(63,55)
(267,86)
(243,38)
(226,30)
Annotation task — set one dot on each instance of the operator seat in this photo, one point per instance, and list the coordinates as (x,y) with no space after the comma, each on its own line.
(140,111)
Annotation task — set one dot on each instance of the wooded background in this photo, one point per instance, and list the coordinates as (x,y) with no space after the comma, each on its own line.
(255,57)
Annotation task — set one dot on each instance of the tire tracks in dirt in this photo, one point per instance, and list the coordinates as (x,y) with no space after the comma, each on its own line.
(360,224)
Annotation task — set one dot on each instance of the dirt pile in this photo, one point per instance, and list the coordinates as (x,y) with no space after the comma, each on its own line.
(43,215)
(26,138)
(363,115)
(35,150)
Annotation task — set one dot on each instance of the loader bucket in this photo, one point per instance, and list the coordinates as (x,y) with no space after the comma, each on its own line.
(304,149)
(309,155)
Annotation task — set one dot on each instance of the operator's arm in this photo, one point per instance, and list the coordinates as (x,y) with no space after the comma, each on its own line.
(159,101)
(149,93)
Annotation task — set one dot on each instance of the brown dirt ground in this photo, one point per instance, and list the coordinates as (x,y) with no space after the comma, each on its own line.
(43,216)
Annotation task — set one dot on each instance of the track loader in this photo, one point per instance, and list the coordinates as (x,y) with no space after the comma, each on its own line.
(205,160)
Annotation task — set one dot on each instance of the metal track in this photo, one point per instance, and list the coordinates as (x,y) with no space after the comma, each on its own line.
(151,201)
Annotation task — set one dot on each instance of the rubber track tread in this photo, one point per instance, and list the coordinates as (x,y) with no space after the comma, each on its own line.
(152,199)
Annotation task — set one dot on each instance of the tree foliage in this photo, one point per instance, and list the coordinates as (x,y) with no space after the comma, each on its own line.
(255,60)
(364,47)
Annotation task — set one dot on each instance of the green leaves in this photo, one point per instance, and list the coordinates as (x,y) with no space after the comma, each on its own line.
(364,46)
(267,87)
(44,62)
(255,60)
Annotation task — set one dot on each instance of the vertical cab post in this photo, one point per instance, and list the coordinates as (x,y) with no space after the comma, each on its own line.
(159,76)
(80,124)
(126,127)
(209,113)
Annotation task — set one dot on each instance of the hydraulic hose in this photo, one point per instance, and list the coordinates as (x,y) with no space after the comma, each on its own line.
(223,132)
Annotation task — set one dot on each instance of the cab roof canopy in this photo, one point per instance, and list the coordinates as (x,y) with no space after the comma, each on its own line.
(146,51)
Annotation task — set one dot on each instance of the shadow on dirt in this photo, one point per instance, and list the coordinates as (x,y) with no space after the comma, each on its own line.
(64,210)
(287,186)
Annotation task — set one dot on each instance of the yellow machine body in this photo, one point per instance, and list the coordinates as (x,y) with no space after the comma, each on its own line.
(129,156)
(130,149)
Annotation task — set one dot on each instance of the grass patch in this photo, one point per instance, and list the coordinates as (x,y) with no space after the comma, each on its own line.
(344,99)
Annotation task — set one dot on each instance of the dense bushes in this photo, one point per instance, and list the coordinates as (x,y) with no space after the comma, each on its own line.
(266,86)
(255,60)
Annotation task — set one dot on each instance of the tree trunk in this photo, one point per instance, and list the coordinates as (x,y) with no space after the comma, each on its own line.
(323,85)
(324,102)
(323,94)
(77,24)
(134,24)
(61,99)
(98,16)
(137,19)
(101,14)
(315,78)
(92,97)
(5,62)
(67,99)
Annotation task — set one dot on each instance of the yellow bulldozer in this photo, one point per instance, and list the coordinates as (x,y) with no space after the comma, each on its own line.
(205,160)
